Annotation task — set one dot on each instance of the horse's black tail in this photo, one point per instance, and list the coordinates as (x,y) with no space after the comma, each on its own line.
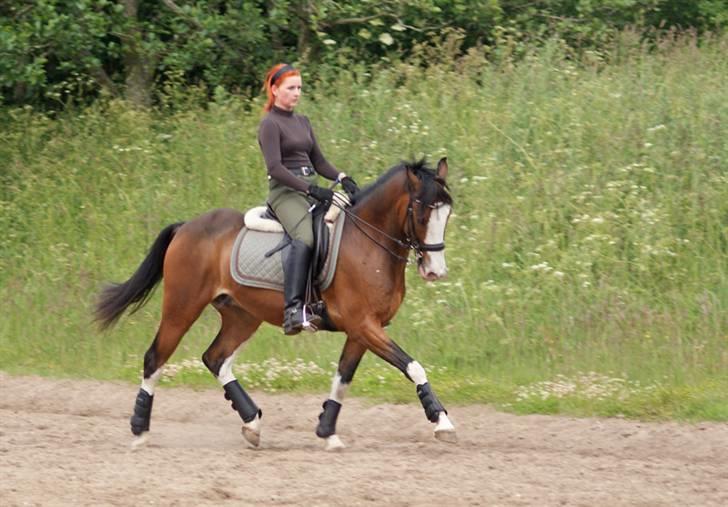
(117,297)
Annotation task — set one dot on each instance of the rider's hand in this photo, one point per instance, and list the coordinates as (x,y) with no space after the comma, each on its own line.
(321,194)
(350,186)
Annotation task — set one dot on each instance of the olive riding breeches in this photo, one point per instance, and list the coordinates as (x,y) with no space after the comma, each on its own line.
(291,208)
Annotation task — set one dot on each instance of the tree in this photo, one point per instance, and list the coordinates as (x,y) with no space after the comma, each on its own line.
(50,48)
(56,51)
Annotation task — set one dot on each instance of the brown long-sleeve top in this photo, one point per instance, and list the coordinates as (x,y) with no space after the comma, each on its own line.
(288,142)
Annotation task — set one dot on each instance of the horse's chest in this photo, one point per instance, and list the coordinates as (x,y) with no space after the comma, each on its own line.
(391,306)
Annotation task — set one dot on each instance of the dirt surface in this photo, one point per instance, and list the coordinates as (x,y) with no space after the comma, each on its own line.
(68,442)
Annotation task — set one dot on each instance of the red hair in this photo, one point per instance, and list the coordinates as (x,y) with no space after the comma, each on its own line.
(268,84)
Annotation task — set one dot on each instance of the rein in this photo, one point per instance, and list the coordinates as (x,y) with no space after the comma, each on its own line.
(410,242)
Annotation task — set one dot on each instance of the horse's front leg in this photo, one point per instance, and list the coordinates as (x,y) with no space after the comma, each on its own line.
(348,362)
(377,341)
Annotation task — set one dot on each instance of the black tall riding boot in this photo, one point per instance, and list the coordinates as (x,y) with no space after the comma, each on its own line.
(295,274)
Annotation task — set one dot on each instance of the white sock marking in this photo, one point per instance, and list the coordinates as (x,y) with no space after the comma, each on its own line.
(226,371)
(148,384)
(226,374)
(417,373)
(338,389)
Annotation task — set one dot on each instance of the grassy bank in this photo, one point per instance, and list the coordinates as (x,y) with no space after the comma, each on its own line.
(587,252)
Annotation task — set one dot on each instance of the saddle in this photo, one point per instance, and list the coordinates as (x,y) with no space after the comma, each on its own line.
(260,249)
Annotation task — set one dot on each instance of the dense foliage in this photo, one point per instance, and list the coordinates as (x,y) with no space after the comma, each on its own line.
(58,51)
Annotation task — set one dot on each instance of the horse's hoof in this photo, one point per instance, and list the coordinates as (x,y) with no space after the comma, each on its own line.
(448,436)
(445,431)
(140,441)
(334,443)
(251,431)
(251,436)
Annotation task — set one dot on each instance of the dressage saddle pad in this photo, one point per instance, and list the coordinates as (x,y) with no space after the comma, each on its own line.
(249,266)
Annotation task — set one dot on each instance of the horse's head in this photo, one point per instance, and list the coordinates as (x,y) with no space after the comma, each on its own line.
(417,204)
(430,207)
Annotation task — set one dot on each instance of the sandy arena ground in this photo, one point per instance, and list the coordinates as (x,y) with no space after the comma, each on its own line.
(67,442)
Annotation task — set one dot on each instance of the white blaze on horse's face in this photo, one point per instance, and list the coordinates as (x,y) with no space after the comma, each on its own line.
(433,266)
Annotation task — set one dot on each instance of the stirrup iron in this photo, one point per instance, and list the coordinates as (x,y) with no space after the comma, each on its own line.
(310,325)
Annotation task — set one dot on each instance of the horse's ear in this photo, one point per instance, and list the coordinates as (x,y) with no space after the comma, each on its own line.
(411,176)
(442,168)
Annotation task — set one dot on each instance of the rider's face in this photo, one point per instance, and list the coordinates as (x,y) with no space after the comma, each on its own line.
(288,92)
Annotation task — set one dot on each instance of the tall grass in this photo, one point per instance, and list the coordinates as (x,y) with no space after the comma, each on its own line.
(588,244)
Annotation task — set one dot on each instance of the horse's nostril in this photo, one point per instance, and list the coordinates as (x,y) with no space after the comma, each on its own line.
(431,276)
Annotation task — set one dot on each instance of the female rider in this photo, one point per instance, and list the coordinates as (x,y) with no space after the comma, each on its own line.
(294,161)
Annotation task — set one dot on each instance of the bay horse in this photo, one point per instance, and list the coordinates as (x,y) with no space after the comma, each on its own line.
(407,208)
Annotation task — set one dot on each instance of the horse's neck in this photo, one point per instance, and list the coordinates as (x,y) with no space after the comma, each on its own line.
(384,211)
(387,212)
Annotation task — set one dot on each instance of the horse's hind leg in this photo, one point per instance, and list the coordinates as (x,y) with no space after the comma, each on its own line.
(237,327)
(180,309)
(348,363)
(377,341)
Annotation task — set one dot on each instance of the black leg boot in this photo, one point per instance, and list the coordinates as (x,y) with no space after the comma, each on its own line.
(295,274)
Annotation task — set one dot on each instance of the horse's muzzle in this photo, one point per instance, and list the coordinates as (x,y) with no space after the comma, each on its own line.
(429,274)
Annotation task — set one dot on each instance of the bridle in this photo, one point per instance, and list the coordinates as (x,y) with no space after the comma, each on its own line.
(410,242)
(411,237)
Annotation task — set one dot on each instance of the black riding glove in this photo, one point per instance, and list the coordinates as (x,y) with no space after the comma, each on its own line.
(321,194)
(350,186)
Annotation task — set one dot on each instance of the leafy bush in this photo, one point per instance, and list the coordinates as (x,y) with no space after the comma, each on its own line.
(56,52)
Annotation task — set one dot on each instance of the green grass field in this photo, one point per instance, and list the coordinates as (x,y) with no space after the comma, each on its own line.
(587,251)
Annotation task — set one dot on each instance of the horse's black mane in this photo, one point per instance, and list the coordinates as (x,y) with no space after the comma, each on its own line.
(430,192)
